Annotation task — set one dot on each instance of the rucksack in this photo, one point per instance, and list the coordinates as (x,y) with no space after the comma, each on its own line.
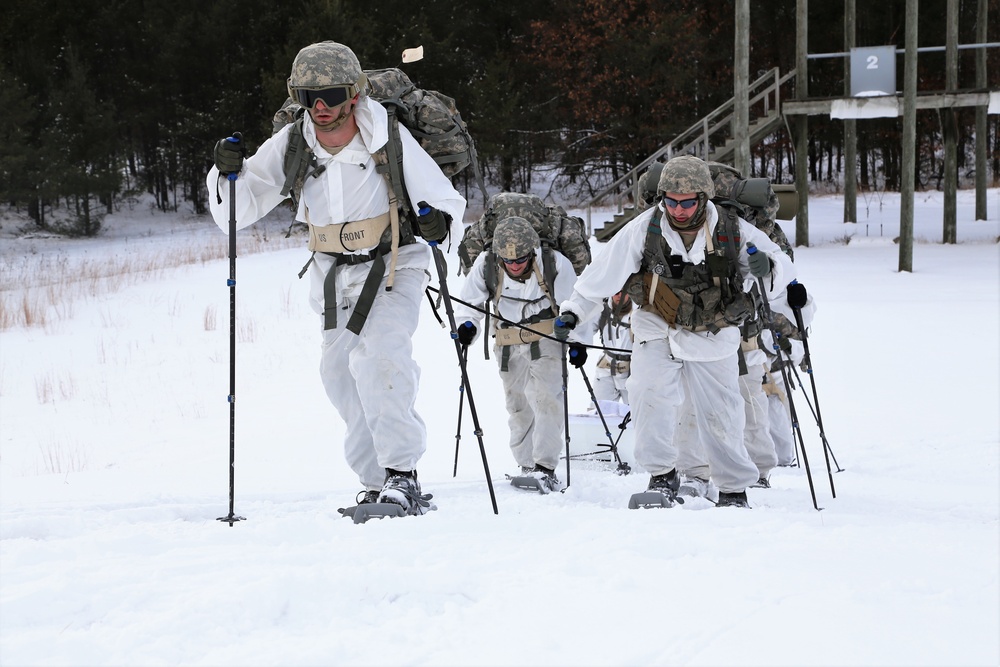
(556,229)
(431,117)
(753,198)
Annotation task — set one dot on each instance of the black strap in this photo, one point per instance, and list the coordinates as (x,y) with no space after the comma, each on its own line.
(329,299)
(368,292)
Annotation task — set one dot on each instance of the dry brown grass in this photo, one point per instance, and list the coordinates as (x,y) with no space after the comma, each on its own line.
(37,291)
(209,318)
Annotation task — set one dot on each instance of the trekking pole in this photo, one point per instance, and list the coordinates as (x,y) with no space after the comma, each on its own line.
(816,418)
(231,518)
(797,298)
(623,468)
(797,436)
(565,385)
(458,429)
(442,271)
(766,308)
(621,430)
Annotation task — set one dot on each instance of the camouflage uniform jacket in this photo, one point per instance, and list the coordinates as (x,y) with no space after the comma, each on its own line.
(623,256)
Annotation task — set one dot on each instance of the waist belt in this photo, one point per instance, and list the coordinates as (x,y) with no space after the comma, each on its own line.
(347,237)
(616,366)
(519,336)
(354,259)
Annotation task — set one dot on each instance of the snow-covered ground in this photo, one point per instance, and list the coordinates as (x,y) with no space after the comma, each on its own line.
(114,453)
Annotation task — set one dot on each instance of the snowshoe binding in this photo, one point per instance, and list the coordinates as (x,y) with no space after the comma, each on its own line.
(540,479)
(661,492)
(364,498)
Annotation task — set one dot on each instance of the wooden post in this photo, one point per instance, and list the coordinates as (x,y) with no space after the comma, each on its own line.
(950,126)
(802,122)
(741,92)
(909,138)
(850,125)
(981,133)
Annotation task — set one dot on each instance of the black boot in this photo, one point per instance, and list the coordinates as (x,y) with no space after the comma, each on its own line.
(733,499)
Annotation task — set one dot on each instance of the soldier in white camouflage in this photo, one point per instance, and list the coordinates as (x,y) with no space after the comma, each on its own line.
(530,364)
(686,339)
(615,364)
(767,436)
(555,228)
(360,253)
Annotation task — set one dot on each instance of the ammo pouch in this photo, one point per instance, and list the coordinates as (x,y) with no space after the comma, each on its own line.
(528,334)
(665,303)
(348,237)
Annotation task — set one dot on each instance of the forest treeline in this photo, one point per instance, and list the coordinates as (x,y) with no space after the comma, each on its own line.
(106,99)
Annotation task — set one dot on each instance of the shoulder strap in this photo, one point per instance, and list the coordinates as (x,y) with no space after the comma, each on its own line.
(390,164)
(491,273)
(299,158)
(549,273)
(543,283)
(653,259)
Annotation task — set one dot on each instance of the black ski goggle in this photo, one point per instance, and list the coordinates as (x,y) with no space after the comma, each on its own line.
(332,97)
(519,260)
(684,203)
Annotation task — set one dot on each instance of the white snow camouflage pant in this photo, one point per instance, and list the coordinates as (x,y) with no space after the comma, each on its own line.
(703,439)
(372,381)
(756,434)
(534,398)
(608,387)
(780,422)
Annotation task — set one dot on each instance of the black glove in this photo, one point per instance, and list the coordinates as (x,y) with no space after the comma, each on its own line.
(466,333)
(564,324)
(797,296)
(577,356)
(433,223)
(230,153)
(760,263)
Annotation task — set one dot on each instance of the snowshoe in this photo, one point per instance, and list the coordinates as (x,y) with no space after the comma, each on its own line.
(733,499)
(540,479)
(363,498)
(661,492)
(761,483)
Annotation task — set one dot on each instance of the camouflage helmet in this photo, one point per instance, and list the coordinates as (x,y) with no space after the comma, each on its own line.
(724,177)
(514,238)
(326,65)
(729,183)
(686,174)
(649,181)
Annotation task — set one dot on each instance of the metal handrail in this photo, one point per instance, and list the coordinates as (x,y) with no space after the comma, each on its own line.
(696,135)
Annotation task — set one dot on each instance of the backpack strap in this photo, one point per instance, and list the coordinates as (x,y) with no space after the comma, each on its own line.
(390,162)
(299,159)
(653,253)
(547,277)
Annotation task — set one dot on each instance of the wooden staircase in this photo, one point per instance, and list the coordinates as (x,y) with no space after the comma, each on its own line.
(710,138)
